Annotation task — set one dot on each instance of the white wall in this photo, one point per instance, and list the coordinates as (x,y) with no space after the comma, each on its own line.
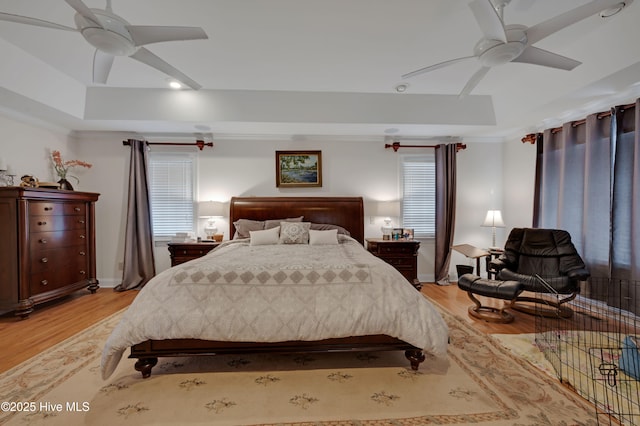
(26,149)
(486,171)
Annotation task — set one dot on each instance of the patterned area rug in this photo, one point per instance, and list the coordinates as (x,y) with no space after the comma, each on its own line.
(480,383)
(584,361)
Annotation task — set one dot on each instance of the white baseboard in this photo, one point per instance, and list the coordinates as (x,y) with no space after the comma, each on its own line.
(109,282)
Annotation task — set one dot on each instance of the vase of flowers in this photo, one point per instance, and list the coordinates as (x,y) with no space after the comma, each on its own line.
(62,169)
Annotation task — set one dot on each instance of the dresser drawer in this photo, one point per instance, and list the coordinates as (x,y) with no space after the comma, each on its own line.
(400,262)
(39,241)
(57,260)
(47,208)
(50,280)
(184,252)
(56,223)
(399,249)
(191,252)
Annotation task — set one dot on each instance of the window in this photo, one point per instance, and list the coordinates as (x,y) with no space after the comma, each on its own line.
(171,184)
(419,194)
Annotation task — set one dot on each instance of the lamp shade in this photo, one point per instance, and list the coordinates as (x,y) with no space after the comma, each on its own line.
(387,209)
(211,209)
(493,219)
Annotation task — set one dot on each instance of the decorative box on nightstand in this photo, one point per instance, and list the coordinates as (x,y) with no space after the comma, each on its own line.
(184,252)
(401,254)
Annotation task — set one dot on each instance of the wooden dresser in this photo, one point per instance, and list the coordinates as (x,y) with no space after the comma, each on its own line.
(47,241)
(401,254)
(184,252)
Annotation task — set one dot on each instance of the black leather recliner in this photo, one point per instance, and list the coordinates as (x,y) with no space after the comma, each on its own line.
(543,261)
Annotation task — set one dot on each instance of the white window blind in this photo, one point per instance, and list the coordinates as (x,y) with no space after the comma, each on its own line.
(419,194)
(171,181)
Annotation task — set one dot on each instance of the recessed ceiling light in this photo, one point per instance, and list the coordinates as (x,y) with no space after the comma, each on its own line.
(175,84)
(614,10)
(402,87)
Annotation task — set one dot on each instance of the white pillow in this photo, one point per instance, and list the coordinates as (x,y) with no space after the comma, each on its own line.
(317,238)
(268,236)
(294,232)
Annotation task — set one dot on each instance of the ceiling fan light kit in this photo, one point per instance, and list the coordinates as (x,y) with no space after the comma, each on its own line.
(109,35)
(112,36)
(502,44)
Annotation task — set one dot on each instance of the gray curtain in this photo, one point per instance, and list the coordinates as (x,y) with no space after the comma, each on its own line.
(445,209)
(588,183)
(139,265)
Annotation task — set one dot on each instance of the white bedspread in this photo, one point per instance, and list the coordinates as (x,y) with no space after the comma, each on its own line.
(276,293)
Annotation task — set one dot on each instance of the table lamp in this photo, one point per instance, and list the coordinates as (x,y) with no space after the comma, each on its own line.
(494,220)
(210,210)
(387,209)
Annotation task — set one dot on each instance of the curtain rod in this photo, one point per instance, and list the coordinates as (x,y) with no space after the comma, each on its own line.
(531,137)
(199,143)
(397,145)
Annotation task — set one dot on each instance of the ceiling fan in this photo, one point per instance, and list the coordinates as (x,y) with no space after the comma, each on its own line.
(113,36)
(514,43)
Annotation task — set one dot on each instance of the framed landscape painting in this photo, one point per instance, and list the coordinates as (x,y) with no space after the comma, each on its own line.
(296,169)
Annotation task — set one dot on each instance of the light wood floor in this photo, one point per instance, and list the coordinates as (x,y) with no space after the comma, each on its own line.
(54,322)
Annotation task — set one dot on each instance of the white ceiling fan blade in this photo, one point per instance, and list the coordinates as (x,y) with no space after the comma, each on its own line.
(488,19)
(84,10)
(533,55)
(154,34)
(550,26)
(33,21)
(102,63)
(435,67)
(473,81)
(146,57)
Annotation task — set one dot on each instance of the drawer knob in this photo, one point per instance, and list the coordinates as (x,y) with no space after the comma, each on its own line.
(44,282)
(82,272)
(48,209)
(81,221)
(76,209)
(82,237)
(42,223)
(82,253)
(42,241)
(44,260)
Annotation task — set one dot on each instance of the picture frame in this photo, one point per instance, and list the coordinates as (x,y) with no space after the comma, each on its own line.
(298,169)
(407,233)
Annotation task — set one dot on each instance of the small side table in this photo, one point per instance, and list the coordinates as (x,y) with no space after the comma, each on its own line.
(472,253)
(184,252)
(401,254)
(493,253)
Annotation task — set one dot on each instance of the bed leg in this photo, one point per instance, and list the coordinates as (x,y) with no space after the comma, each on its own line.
(415,357)
(144,365)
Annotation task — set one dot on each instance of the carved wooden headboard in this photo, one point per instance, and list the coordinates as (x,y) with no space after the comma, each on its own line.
(347,212)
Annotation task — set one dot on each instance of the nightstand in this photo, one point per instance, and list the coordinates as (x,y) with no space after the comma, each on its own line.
(401,254)
(184,252)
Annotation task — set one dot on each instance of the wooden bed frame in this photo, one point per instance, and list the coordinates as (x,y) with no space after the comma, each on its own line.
(347,212)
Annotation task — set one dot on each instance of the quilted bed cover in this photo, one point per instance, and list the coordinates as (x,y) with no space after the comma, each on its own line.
(277,293)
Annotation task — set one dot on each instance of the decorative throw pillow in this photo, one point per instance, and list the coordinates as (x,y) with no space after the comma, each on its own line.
(318,238)
(630,357)
(266,237)
(327,227)
(272,223)
(294,232)
(244,226)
